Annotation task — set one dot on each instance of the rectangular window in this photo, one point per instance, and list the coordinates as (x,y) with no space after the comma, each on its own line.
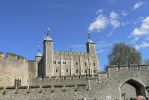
(56,70)
(94,64)
(77,71)
(59,62)
(76,63)
(85,71)
(54,62)
(64,62)
(94,71)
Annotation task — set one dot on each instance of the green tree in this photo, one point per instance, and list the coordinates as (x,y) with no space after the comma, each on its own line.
(124,54)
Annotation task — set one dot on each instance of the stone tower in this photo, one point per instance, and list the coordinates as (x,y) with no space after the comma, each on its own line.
(48,54)
(37,60)
(90,46)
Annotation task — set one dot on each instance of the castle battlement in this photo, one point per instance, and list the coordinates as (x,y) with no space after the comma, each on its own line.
(67,80)
(69,53)
(113,70)
(42,89)
(12,57)
(130,67)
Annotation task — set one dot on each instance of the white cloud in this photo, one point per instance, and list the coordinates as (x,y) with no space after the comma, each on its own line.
(99,11)
(100,23)
(143,45)
(124,13)
(100,51)
(134,40)
(144,29)
(105,44)
(114,20)
(115,23)
(124,23)
(101,41)
(110,34)
(138,5)
(113,15)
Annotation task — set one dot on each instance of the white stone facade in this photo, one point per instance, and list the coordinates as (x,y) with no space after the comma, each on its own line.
(54,63)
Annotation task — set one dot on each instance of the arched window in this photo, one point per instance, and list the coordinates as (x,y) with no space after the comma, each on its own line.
(67,70)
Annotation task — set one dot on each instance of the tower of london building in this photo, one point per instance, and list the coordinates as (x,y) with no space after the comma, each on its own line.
(69,76)
(53,63)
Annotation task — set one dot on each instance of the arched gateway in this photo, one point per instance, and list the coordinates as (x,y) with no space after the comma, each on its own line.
(130,89)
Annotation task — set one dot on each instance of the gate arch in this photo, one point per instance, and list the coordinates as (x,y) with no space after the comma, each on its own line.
(131,88)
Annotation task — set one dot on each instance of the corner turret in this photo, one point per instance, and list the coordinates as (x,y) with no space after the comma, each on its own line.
(39,55)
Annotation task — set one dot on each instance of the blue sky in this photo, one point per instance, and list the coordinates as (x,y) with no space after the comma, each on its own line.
(23,24)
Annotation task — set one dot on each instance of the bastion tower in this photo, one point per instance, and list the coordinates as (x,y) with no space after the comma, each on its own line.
(69,63)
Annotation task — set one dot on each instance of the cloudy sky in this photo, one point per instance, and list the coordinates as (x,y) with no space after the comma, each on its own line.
(23,24)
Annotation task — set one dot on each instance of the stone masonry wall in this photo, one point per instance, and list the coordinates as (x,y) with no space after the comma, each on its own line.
(13,67)
(107,84)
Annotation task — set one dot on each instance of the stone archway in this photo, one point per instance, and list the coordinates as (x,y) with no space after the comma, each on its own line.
(130,89)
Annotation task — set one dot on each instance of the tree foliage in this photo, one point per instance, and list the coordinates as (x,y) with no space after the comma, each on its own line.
(124,54)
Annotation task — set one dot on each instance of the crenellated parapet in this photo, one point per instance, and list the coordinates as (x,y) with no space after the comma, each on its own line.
(13,67)
(38,89)
(63,79)
(124,70)
(53,84)
(131,67)
(12,57)
(70,53)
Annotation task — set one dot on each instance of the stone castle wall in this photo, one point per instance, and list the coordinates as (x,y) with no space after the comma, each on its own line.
(13,67)
(105,85)
(69,76)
